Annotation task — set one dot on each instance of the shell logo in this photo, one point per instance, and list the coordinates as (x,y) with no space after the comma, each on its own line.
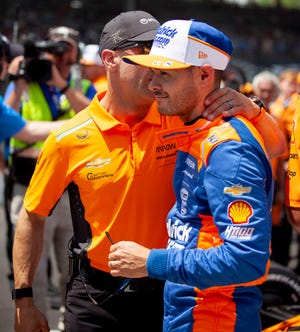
(240,212)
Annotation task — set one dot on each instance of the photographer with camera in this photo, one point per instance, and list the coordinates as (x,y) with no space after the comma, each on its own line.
(43,88)
(13,125)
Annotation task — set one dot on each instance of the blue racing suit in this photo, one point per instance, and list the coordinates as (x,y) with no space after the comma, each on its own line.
(219,229)
(11,122)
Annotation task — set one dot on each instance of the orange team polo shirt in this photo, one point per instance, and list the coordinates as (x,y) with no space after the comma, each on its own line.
(286,113)
(100,84)
(293,179)
(124,177)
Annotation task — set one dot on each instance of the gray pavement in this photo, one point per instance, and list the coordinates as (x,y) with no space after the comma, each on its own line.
(6,304)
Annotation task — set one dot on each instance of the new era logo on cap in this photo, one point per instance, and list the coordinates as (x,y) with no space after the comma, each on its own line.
(181,44)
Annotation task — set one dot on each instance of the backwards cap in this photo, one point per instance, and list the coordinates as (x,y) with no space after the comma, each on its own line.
(90,55)
(182,43)
(126,28)
(65,34)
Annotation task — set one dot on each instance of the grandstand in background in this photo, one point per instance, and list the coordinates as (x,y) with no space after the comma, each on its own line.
(263,37)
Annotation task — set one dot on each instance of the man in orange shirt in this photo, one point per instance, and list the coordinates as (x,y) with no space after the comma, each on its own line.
(284,106)
(283,109)
(293,180)
(118,171)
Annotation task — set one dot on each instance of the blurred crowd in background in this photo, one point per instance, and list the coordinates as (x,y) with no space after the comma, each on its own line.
(266,63)
(263,37)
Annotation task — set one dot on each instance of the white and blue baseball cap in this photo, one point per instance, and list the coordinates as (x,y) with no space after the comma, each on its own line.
(183,43)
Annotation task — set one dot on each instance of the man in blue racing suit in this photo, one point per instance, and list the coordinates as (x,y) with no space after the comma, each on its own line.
(220,226)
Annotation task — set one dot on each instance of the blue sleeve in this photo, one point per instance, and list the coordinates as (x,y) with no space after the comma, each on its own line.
(11,122)
(244,252)
(91,91)
(9,89)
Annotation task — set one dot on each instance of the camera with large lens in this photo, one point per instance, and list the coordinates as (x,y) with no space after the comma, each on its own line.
(33,67)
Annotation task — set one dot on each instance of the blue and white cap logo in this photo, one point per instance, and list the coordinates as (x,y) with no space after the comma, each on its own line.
(181,44)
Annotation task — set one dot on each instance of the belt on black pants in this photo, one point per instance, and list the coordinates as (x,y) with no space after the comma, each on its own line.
(105,281)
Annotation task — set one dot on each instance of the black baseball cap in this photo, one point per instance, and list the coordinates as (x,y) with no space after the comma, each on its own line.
(126,28)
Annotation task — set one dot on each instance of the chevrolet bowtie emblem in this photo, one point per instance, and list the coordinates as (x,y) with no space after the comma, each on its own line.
(237,190)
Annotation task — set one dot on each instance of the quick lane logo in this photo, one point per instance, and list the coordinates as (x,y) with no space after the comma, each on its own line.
(178,232)
(163,36)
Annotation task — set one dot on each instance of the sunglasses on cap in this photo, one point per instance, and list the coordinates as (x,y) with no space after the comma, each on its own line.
(64,33)
(146,46)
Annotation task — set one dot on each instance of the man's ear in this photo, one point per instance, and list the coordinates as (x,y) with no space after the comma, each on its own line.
(110,59)
(206,72)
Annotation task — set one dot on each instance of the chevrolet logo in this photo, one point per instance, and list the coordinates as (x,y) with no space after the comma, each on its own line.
(237,190)
(97,163)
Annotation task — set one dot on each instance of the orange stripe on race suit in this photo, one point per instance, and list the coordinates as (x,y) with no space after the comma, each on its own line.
(213,312)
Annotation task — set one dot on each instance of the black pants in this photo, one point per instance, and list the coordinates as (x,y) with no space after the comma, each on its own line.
(135,311)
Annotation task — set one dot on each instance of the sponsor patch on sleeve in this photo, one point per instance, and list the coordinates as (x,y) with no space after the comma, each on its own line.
(239,212)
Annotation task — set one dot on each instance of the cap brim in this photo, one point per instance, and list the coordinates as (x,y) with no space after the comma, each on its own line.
(146,36)
(86,63)
(155,61)
(66,40)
